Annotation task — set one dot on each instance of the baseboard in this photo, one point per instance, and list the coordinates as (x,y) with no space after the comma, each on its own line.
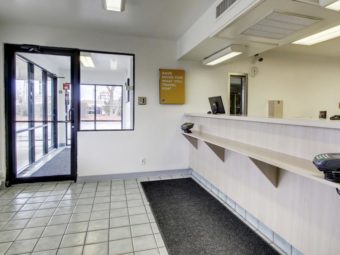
(134,175)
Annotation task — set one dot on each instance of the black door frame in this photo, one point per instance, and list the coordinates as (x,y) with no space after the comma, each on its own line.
(9,70)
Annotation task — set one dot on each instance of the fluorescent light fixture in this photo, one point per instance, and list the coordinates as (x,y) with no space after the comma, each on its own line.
(223,58)
(325,35)
(334,6)
(114,5)
(87,61)
(113,64)
(224,55)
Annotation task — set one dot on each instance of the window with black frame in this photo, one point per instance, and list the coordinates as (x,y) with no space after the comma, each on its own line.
(106,91)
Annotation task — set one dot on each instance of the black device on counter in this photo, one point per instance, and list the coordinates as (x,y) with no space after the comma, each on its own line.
(329,164)
(335,117)
(187,126)
(216,105)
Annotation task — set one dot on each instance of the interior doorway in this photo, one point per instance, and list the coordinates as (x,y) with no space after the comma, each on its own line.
(238,93)
(42,87)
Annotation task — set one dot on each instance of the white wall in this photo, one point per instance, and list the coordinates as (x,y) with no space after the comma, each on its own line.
(157,133)
(306,84)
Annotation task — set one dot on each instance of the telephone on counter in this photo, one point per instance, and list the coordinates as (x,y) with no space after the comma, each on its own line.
(335,117)
(187,126)
(329,164)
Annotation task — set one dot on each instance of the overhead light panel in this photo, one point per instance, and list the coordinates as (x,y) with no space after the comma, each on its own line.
(87,61)
(113,64)
(320,37)
(334,6)
(223,58)
(224,55)
(114,5)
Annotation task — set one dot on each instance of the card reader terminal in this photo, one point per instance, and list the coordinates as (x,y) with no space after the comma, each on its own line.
(329,163)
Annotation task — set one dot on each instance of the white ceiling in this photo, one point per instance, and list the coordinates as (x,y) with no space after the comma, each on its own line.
(166,19)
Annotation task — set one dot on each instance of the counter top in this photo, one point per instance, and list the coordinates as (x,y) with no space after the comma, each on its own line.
(332,124)
(299,166)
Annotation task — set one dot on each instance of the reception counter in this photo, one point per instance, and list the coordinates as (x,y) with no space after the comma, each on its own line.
(265,166)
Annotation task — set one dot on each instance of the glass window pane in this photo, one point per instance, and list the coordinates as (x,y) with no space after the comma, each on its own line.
(87,125)
(113,76)
(128,95)
(38,143)
(87,107)
(69,133)
(49,135)
(22,149)
(50,111)
(68,102)
(107,125)
(38,95)
(49,99)
(109,107)
(62,134)
(21,93)
(21,126)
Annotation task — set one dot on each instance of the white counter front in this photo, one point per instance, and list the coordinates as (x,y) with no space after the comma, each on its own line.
(333,124)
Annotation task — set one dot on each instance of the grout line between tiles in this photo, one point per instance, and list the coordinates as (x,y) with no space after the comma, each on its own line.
(133,248)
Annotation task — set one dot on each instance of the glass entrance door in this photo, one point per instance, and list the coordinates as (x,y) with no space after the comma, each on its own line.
(41,113)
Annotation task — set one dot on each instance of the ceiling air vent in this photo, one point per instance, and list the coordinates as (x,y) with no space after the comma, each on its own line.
(223,6)
(315,2)
(279,25)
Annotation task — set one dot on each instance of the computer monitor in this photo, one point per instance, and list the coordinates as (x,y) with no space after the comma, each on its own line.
(216,105)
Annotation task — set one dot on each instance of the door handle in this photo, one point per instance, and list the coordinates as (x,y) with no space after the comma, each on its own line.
(70,116)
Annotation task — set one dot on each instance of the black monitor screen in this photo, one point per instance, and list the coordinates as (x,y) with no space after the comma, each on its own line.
(216,105)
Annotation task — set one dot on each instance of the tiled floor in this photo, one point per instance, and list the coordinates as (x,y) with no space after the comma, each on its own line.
(69,218)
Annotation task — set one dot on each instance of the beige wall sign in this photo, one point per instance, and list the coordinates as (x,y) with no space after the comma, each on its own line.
(171,86)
